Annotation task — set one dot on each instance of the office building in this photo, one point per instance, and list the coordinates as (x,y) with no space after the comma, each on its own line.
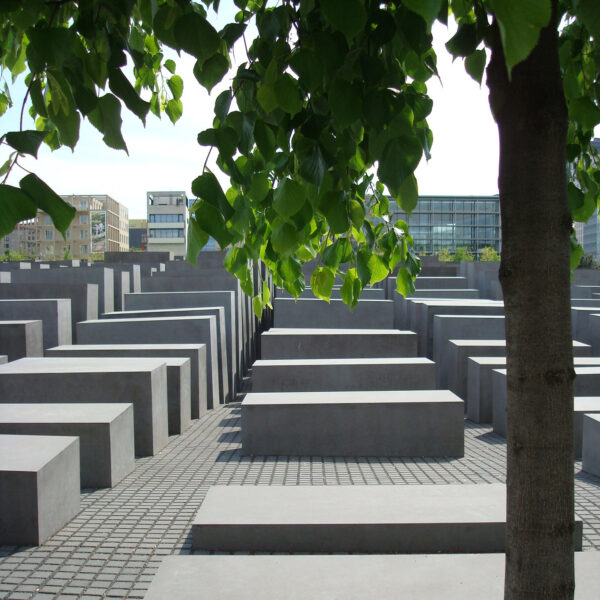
(138,234)
(167,222)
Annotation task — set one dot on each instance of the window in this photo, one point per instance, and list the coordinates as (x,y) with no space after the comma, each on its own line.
(171,218)
(83,205)
(165,233)
(83,234)
(68,234)
(83,248)
(47,220)
(83,219)
(49,234)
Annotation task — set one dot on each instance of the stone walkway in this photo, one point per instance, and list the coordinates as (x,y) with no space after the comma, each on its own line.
(114,546)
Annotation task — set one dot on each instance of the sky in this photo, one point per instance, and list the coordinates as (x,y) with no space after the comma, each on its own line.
(166,157)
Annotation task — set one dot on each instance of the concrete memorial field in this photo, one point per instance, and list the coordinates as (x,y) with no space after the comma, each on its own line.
(173,422)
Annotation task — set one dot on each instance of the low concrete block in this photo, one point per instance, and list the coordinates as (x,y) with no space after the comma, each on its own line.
(196,353)
(19,339)
(105,433)
(437,283)
(591,445)
(223,347)
(39,479)
(368,314)
(323,577)
(344,374)
(140,381)
(55,315)
(3,359)
(282,343)
(167,330)
(353,518)
(407,423)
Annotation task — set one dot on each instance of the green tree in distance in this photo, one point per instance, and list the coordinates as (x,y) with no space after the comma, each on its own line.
(332,93)
(488,254)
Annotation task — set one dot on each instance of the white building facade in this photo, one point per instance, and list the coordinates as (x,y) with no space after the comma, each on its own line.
(167,222)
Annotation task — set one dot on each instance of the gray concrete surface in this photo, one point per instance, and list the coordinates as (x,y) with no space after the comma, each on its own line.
(39,479)
(105,433)
(403,423)
(166,330)
(196,353)
(140,381)
(55,315)
(287,342)
(343,374)
(591,444)
(19,339)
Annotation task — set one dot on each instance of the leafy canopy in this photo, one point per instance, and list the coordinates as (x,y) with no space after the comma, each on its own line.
(325,119)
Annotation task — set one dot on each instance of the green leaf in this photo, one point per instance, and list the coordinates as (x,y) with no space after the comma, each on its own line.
(175,84)
(211,221)
(333,254)
(267,98)
(313,166)
(170,65)
(582,205)
(408,194)
(351,288)
(49,201)
(174,110)
(404,283)
(321,282)
(347,16)
(15,206)
(287,94)
(196,36)
(589,13)
(333,206)
(289,198)
(257,306)
(211,71)
(284,237)
(306,64)
(475,65)
(400,159)
(106,118)
(37,98)
(357,213)
(345,100)
(576,253)
(464,42)
(520,23)
(585,112)
(207,188)
(259,187)
(120,85)
(428,9)
(266,294)
(265,139)
(363,268)
(197,239)
(26,142)
(378,268)
(222,105)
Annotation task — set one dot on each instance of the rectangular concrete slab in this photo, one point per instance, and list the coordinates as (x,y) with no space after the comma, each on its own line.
(39,479)
(343,374)
(437,283)
(140,381)
(105,434)
(287,342)
(368,314)
(196,353)
(591,445)
(405,423)
(19,339)
(351,577)
(166,330)
(55,315)
(353,518)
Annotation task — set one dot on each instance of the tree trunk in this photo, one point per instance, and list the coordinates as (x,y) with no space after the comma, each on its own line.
(531,115)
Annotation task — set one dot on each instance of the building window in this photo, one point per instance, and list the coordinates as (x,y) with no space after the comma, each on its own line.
(68,234)
(171,218)
(48,220)
(83,205)
(49,234)
(83,249)
(83,219)
(83,234)
(165,233)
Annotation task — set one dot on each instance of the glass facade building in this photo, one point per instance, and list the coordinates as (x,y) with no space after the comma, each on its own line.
(450,222)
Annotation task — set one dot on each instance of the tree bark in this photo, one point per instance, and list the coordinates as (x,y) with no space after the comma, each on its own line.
(531,115)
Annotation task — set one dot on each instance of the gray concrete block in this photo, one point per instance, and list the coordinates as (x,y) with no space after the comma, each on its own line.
(3,359)
(368,314)
(437,283)
(167,330)
(227,299)
(21,338)
(178,394)
(83,296)
(196,353)
(405,423)
(593,329)
(55,315)
(105,433)
(353,518)
(344,374)
(351,577)
(290,343)
(39,479)
(140,381)
(591,445)
(224,361)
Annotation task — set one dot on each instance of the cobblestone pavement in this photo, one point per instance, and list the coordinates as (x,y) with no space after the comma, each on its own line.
(112,549)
